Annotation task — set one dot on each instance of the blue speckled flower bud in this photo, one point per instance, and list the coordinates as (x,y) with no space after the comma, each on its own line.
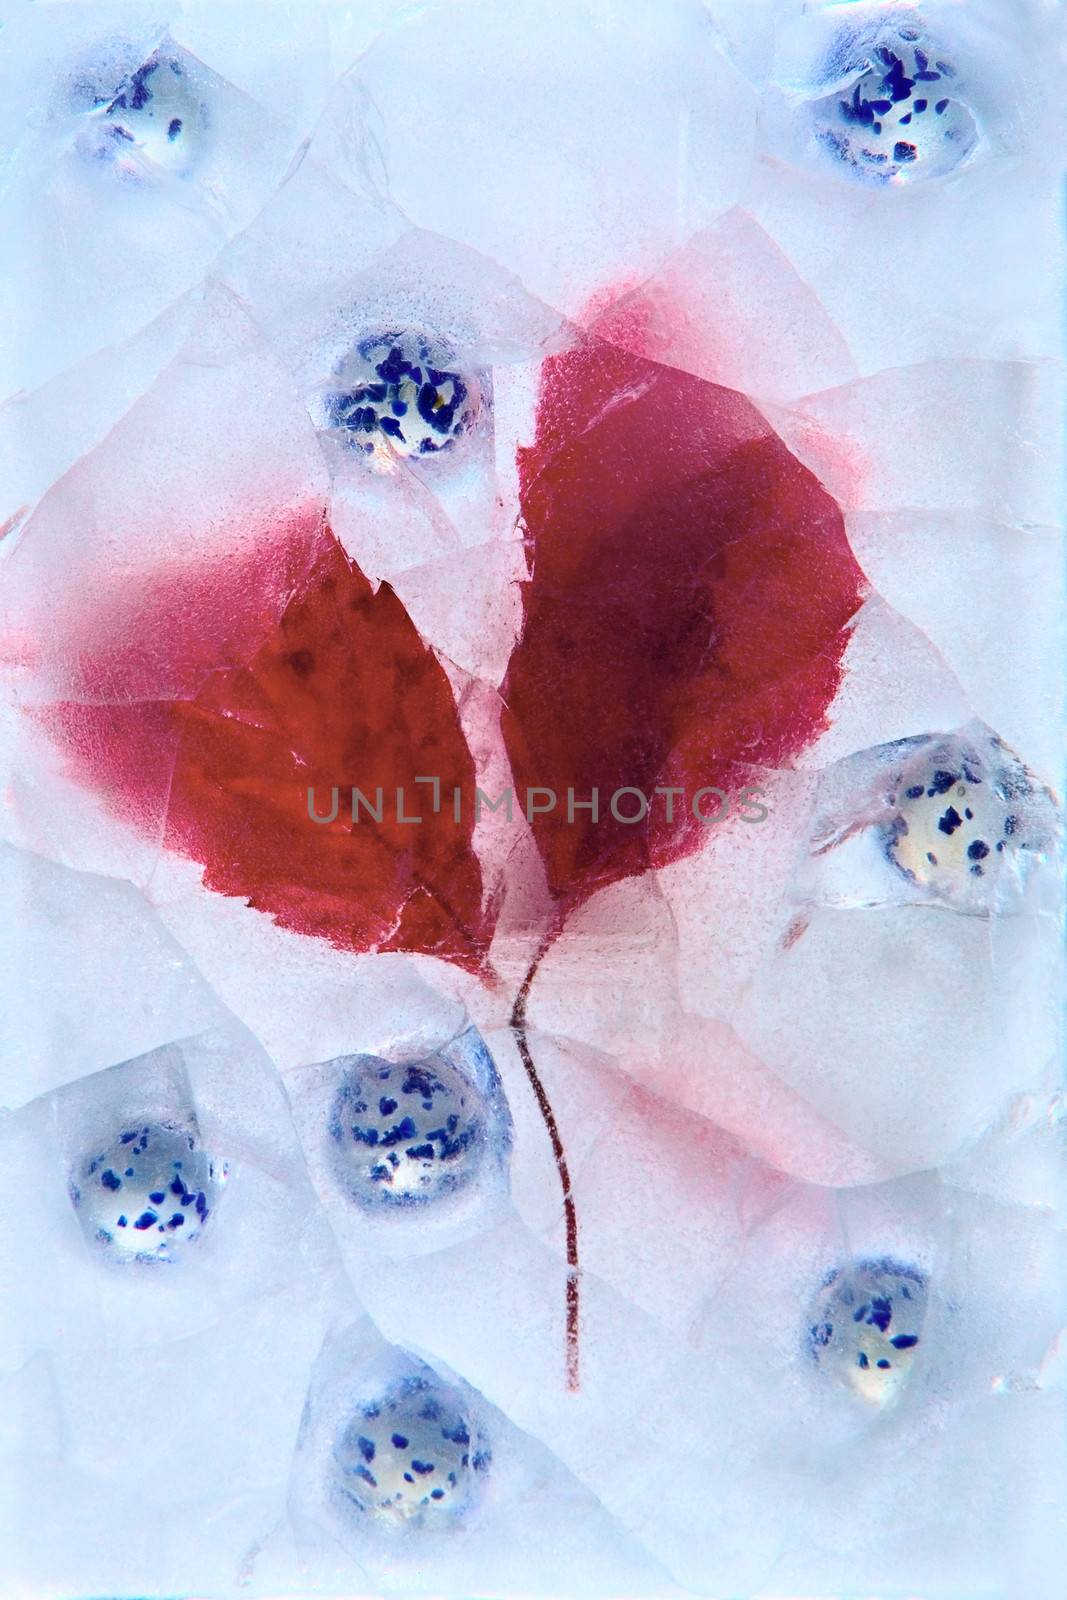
(401,394)
(866,1325)
(407,1133)
(411,1457)
(148,1193)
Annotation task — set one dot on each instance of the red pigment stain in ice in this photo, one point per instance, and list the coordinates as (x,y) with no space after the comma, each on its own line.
(656,320)
(341,692)
(13,521)
(167,626)
(690,602)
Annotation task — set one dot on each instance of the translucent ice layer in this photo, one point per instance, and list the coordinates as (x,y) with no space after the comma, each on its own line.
(531,742)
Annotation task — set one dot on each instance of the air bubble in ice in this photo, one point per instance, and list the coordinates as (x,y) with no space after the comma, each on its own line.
(156,120)
(401,394)
(412,1456)
(898,116)
(407,1133)
(148,1192)
(866,1327)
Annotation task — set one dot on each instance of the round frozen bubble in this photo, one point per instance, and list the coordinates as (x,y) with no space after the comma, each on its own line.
(896,114)
(407,1134)
(401,394)
(157,119)
(866,1325)
(411,1457)
(147,1193)
(960,819)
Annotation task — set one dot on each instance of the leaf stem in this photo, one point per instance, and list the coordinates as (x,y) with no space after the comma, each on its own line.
(548,1116)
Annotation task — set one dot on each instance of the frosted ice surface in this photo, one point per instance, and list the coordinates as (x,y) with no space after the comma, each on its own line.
(685,150)
(794,1098)
(43,433)
(916,271)
(901,422)
(961,1015)
(920,563)
(88,977)
(894,679)
(176,499)
(100,244)
(730,306)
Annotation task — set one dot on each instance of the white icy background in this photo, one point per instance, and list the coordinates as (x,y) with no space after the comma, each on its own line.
(741,1112)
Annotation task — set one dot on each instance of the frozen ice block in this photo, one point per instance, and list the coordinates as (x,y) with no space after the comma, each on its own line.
(531,779)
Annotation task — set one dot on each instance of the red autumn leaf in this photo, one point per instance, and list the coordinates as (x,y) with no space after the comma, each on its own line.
(342,692)
(688,609)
